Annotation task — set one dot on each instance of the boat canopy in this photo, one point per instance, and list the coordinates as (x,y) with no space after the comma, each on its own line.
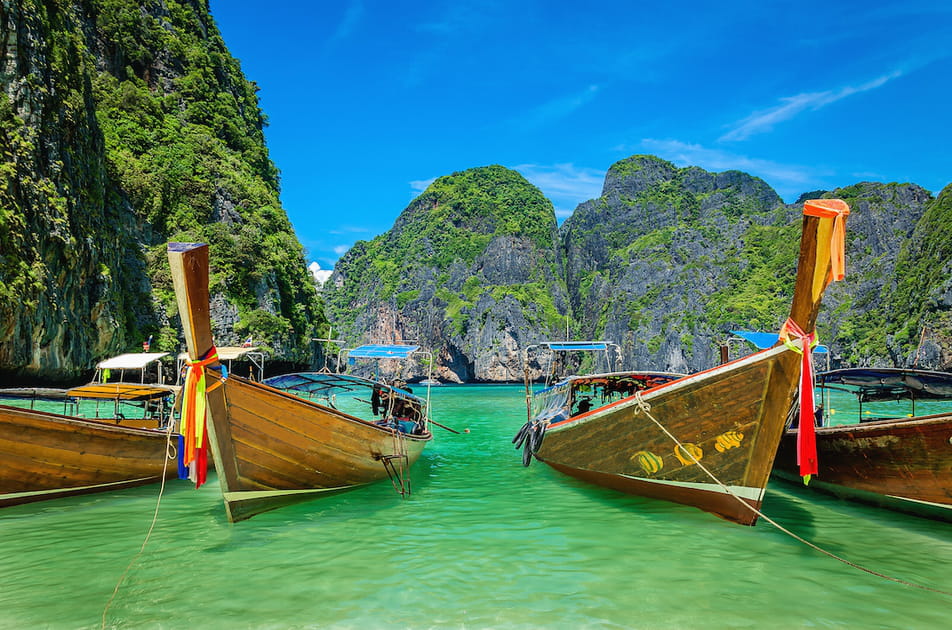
(131,361)
(553,403)
(890,383)
(122,391)
(34,393)
(327,384)
(382,351)
(227,354)
(764,340)
(576,346)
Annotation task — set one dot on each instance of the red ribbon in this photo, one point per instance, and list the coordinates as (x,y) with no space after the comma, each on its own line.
(806,434)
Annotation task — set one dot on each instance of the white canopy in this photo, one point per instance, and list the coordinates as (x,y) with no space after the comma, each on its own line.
(131,361)
(227,353)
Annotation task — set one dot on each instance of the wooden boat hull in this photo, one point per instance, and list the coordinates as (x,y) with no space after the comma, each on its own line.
(274,448)
(47,456)
(270,447)
(723,416)
(904,464)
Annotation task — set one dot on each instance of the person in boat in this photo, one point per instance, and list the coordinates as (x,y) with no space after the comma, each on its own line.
(817,418)
(375,404)
(584,405)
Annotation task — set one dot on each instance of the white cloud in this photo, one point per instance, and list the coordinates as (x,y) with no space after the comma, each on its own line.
(566,185)
(417,186)
(340,250)
(320,275)
(764,120)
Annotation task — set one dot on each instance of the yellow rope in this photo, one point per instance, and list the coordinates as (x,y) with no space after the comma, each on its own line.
(644,406)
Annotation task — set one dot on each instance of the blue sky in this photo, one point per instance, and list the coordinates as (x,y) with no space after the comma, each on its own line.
(368,101)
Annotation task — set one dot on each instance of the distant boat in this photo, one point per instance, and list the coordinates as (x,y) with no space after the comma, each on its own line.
(901,463)
(273,447)
(706,440)
(47,455)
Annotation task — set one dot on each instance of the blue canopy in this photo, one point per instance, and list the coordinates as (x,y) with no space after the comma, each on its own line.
(765,340)
(326,384)
(382,351)
(576,346)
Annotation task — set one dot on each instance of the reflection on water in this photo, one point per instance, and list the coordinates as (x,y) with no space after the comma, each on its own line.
(481,543)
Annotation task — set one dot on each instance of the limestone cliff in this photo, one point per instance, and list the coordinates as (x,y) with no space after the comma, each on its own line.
(666,262)
(125,124)
(651,264)
(470,270)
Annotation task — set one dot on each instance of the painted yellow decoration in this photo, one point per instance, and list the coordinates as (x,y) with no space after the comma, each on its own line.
(727,441)
(685,451)
(649,462)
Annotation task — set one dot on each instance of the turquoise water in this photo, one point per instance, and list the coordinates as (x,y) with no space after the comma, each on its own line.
(481,543)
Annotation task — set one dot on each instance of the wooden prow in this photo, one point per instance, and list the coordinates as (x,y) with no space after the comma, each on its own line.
(189,265)
(814,267)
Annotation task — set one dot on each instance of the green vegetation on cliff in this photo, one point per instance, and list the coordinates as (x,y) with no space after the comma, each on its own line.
(470,243)
(131,126)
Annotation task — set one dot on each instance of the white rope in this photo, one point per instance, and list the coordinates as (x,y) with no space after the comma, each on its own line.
(644,406)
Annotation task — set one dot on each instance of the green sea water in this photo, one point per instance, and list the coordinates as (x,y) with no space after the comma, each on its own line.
(481,543)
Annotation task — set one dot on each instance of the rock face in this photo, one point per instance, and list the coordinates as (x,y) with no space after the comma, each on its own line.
(470,270)
(124,125)
(665,263)
(860,315)
(649,264)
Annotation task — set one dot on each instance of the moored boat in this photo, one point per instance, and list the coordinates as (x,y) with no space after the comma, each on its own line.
(107,436)
(272,447)
(889,456)
(708,439)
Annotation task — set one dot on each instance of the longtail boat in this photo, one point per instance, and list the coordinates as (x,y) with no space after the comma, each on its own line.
(707,440)
(889,455)
(272,447)
(109,436)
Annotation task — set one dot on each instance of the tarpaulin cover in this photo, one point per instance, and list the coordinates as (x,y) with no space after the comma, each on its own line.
(764,340)
(382,351)
(572,346)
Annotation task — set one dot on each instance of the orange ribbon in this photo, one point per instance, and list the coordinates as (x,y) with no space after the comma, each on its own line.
(838,210)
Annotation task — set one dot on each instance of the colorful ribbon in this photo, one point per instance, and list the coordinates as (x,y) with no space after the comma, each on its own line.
(838,210)
(835,248)
(806,434)
(192,425)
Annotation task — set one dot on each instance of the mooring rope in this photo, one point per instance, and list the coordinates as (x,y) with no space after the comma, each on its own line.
(170,453)
(645,407)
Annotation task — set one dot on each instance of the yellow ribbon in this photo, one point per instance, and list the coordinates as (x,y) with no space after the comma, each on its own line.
(192,424)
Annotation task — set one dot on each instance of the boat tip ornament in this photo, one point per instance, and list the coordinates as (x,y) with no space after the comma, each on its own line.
(193,447)
(831,240)
(831,245)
